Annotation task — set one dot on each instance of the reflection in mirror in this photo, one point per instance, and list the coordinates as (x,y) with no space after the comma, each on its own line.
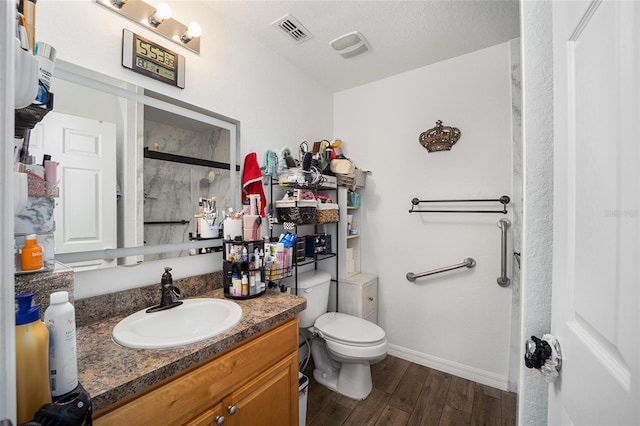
(132,163)
(185,162)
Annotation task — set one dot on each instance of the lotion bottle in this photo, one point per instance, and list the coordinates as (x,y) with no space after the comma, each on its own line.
(32,359)
(60,318)
(31,254)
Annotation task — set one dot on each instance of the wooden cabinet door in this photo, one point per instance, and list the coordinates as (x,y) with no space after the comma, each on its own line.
(269,399)
(212,417)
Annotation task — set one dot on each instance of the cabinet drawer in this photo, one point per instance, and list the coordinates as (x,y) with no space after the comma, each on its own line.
(198,390)
(370,300)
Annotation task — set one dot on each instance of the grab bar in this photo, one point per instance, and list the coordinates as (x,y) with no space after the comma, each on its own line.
(468,262)
(503,280)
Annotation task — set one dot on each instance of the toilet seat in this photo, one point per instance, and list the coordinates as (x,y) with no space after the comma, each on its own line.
(349,330)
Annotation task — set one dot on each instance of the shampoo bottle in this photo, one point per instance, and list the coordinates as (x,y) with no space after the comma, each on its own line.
(60,318)
(32,356)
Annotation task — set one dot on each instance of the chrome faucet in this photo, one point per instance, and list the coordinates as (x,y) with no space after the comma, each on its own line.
(168,292)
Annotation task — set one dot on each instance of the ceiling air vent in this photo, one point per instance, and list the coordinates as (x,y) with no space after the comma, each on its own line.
(293,29)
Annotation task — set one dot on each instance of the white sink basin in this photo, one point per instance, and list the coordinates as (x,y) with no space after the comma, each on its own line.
(193,321)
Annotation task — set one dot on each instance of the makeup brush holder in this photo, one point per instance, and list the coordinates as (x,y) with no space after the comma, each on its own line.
(232,229)
(207,228)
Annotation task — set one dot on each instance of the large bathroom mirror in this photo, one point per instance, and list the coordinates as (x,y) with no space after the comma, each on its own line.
(141,176)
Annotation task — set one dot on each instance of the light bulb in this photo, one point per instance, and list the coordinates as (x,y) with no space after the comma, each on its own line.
(193,30)
(163,11)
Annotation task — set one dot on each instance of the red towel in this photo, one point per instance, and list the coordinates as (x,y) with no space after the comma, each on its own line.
(252,180)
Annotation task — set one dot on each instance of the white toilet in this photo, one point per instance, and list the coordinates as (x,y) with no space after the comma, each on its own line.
(349,344)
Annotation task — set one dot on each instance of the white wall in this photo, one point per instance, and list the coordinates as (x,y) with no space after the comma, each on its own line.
(537,238)
(457,321)
(234,75)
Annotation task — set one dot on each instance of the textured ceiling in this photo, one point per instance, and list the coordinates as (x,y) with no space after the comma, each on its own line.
(404,35)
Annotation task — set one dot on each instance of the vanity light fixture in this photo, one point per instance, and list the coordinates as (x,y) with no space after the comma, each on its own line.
(157,19)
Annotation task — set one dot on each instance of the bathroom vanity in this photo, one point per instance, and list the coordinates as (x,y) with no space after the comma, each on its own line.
(247,373)
(256,383)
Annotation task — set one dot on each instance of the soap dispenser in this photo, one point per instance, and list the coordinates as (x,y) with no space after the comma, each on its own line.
(32,359)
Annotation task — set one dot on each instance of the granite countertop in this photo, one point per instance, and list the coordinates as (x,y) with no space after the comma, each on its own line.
(110,372)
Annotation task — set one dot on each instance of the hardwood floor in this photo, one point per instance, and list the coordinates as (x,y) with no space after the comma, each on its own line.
(410,394)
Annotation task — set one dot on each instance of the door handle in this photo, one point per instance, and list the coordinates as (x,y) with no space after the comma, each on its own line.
(544,355)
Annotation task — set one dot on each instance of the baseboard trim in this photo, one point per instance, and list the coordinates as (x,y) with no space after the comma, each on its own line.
(466,372)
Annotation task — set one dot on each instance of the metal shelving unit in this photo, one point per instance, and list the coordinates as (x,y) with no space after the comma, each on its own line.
(317,257)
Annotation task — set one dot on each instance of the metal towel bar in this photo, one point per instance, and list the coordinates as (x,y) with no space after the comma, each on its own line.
(468,262)
(503,280)
(504,200)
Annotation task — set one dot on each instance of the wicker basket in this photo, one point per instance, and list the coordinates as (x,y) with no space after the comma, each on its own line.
(360,178)
(348,180)
(327,213)
(298,212)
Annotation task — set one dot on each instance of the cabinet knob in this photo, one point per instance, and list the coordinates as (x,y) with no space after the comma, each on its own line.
(232,409)
(219,420)
(370,299)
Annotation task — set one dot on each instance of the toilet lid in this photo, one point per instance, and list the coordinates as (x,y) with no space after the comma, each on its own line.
(349,329)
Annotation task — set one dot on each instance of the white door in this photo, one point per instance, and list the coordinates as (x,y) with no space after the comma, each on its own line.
(85,213)
(596,260)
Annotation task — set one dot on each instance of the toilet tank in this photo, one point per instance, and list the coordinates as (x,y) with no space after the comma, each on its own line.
(313,286)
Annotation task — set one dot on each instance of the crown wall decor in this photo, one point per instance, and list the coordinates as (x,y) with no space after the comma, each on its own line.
(440,138)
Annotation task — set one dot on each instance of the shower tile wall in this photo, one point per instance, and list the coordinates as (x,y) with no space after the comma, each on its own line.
(172,190)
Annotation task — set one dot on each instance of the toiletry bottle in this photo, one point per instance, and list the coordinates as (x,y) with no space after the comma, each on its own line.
(32,359)
(236,286)
(245,254)
(245,284)
(31,254)
(252,283)
(60,318)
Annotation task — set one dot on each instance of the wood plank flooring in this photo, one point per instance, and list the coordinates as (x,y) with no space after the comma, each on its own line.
(405,393)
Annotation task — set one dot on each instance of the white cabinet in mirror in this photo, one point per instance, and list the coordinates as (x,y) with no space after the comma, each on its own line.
(133,165)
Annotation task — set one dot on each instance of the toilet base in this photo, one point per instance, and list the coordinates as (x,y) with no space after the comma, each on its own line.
(351,379)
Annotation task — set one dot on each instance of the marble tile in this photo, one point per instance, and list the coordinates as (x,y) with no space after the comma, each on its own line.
(36,217)
(172,190)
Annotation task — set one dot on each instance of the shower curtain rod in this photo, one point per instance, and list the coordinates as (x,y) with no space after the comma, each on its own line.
(504,200)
